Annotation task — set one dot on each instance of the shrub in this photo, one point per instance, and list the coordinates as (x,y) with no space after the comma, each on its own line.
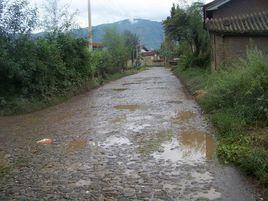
(237,103)
(243,88)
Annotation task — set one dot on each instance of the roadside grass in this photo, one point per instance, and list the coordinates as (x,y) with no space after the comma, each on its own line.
(4,171)
(236,100)
(16,106)
(4,165)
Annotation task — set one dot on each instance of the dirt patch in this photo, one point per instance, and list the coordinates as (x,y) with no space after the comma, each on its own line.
(77,145)
(200,93)
(128,107)
(184,117)
(120,89)
(260,137)
(130,83)
(119,119)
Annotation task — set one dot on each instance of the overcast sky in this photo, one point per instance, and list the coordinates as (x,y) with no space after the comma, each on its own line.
(108,11)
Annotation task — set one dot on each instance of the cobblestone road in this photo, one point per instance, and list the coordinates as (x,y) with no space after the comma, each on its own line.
(138,138)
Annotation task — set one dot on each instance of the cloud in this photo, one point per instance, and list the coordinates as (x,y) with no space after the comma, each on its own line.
(108,11)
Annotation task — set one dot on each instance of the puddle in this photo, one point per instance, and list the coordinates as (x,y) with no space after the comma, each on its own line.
(144,79)
(77,145)
(184,117)
(130,83)
(175,102)
(169,186)
(113,140)
(202,177)
(212,194)
(151,143)
(127,107)
(120,89)
(82,183)
(157,88)
(189,146)
(119,119)
(199,140)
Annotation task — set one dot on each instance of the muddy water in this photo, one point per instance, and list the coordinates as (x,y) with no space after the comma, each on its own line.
(138,138)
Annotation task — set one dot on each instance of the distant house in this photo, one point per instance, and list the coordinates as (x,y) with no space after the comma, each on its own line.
(150,57)
(94,45)
(235,26)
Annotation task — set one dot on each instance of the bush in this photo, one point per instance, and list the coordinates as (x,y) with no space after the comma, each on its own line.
(237,102)
(184,28)
(43,67)
(243,88)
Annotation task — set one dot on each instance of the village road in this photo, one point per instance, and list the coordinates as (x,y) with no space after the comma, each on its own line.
(138,138)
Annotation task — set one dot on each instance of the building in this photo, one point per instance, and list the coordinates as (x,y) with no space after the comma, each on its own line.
(236,26)
(94,45)
(150,57)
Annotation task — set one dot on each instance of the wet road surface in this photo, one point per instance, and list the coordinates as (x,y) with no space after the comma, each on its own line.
(138,138)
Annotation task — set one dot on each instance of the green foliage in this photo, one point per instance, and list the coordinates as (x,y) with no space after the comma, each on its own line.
(38,70)
(4,171)
(122,47)
(242,87)
(169,49)
(185,27)
(131,43)
(253,161)
(43,67)
(17,17)
(237,102)
(58,18)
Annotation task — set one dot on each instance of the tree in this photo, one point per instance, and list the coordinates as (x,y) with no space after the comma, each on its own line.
(131,42)
(17,17)
(1,16)
(57,19)
(169,49)
(115,44)
(185,26)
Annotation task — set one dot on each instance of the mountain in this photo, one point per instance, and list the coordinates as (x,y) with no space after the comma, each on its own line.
(151,33)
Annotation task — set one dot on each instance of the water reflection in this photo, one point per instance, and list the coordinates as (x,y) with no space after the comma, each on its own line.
(114,140)
(189,145)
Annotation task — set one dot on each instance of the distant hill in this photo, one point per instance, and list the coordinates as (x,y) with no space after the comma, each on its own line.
(150,32)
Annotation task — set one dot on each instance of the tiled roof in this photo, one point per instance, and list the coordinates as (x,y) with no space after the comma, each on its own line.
(95,45)
(255,23)
(214,5)
(149,53)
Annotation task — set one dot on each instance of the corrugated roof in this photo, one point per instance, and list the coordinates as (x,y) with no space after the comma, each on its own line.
(249,23)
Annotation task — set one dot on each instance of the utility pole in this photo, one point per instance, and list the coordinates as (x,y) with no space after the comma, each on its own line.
(90,34)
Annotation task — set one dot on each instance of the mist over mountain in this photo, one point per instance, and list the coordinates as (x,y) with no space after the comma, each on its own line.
(150,33)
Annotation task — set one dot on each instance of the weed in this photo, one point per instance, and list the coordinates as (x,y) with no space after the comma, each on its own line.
(236,100)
